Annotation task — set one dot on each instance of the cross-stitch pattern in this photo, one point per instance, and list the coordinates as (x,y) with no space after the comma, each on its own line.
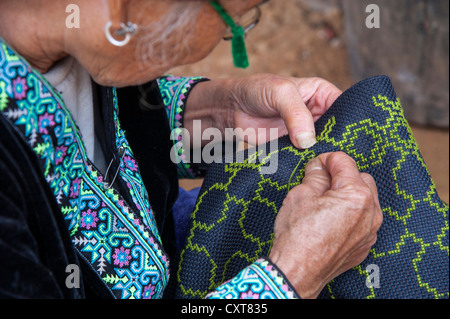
(174,91)
(232,223)
(118,239)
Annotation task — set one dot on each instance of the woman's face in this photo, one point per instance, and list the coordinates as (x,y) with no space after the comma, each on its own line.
(171,33)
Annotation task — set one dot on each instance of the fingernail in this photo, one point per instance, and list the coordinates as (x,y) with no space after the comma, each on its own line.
(314,165)
(306,139)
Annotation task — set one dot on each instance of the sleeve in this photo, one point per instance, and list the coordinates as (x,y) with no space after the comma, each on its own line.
(175,92)
(261,280)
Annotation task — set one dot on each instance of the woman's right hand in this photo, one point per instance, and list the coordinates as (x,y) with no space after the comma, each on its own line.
(326,225)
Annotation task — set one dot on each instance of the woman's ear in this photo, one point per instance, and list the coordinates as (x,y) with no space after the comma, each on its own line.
(118,12)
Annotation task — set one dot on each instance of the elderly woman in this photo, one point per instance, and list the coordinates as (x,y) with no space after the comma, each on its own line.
(84,186)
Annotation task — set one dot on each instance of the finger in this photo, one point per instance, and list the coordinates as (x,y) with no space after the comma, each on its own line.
(297,117)
(318,94)
(300,124)
(317,177)
(343,170)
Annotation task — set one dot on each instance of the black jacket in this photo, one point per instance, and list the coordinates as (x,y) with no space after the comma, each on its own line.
(35,248)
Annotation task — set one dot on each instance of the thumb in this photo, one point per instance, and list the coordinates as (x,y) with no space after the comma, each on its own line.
(317,177)
(285,98)
(299,122)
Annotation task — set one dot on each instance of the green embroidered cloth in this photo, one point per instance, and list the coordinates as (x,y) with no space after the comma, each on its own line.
(232,223)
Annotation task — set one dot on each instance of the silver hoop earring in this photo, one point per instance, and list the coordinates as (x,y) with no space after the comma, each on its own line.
(126,30)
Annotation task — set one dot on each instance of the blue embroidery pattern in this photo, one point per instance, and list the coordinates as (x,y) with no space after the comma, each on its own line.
(174,92)
(261,280)
(120,242)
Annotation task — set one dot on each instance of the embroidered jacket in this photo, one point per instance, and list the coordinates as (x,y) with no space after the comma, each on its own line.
(122,232)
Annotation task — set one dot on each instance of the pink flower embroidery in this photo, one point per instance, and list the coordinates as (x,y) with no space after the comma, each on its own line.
(60,153)
(45,121)
(121,257)
(249,295)
(89,219)
(20,88)
(149,291)
(75,188)
(130,163)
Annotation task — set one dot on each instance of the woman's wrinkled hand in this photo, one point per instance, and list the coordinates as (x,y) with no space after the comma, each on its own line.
(290,104)
(326,225)
(261,102)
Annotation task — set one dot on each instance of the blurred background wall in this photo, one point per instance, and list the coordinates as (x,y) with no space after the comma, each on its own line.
(411,46)
(330,39)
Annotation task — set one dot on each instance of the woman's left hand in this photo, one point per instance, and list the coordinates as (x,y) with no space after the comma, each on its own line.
(263,101)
